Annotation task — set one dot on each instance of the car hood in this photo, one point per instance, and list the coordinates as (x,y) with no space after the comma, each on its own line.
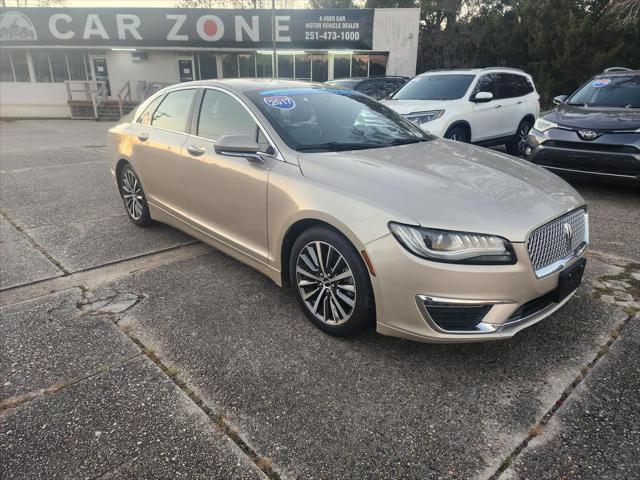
(595,118)
(448,185)
(405,107)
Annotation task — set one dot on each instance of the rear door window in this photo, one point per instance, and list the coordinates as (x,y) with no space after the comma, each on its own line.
(369,87)
(173,112)
(525,87)
(508,85)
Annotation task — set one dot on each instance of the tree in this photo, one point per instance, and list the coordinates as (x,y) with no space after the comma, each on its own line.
(331,3)
(627,12)
(33,3)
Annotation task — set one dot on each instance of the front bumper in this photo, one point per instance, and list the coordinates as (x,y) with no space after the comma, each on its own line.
(515,298)
(613,155)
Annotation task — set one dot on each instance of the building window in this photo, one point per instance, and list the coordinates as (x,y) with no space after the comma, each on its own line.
(285,65)
(360,66)
(78,65)
(41,66)
(207,66)
(303,66)
(54,66)
(20,66)
(247,65)
(13,66)
(230,65)
(377,65)
(319,70)
(264,66)
(341,66)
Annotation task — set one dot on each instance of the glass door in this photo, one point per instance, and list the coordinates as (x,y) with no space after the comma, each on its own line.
(185,69)
(101,71)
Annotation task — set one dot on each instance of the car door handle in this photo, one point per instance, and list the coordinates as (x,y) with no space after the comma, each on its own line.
(498,106)
(195,151)
(519,102)
(143,137)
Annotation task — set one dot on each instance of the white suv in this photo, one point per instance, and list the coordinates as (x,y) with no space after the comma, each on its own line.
(488,106)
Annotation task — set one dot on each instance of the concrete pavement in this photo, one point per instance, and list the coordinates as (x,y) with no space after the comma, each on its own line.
(131,352)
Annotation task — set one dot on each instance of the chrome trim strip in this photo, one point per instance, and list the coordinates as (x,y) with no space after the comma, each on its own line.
(460,301)
(632,177)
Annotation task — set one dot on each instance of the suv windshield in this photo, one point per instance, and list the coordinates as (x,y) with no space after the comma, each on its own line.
(435,87)
(317,119)
(619,91)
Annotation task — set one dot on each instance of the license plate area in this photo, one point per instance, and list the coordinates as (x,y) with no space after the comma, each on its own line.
(570,279)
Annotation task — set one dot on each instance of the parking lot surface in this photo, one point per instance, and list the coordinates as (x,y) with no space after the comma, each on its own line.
(128,352)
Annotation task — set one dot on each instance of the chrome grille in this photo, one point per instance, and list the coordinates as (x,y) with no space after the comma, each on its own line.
(559,239)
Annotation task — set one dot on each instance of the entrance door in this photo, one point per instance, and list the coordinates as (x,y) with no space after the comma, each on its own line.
(100,71)
(185,69)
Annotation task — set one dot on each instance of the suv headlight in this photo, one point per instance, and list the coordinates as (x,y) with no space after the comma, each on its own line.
(543,125)
(425,117)
(454,247)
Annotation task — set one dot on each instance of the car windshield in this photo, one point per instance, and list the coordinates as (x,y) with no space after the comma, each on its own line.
(320,119)
(435,87)
(616,91)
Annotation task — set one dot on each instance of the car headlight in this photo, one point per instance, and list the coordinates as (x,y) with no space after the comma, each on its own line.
(425,117)
(543,125)
(453,247)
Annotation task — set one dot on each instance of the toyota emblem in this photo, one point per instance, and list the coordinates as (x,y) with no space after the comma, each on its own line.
(587,135)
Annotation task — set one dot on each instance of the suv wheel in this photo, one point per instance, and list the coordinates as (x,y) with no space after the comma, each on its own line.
(457,133)
(518,144)
(331,282)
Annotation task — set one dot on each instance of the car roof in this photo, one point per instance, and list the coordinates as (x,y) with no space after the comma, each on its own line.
(476,71)
(242,85)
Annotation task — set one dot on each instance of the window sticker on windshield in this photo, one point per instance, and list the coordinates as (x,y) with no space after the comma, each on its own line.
(601,82)
(280,101)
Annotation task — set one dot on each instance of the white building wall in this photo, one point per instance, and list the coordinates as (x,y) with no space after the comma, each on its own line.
(45,100)
(395,30)
(161,66)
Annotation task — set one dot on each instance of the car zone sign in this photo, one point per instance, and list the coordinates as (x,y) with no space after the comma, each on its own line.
(155,27)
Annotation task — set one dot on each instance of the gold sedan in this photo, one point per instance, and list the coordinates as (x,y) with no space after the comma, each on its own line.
(370,219)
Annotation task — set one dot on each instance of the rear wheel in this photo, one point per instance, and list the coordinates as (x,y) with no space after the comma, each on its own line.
(331,282)
(518,144)
(458,133)
(133,197)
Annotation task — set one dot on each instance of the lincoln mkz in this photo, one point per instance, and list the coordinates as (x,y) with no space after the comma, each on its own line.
(368,218)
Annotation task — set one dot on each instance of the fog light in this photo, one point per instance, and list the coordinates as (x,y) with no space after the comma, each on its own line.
(527,151)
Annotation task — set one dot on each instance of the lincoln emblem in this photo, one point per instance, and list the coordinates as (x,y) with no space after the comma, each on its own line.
(568,235)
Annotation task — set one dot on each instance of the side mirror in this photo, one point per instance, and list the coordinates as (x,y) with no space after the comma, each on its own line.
(238,146)
(482,97)
(559,99)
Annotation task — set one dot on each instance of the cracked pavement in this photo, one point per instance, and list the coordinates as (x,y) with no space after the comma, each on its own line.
(130,353)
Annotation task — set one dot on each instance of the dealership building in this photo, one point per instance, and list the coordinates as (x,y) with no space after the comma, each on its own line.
(63,62)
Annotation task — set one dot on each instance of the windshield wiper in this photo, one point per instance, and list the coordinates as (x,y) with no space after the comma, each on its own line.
(338,146)
(405,141)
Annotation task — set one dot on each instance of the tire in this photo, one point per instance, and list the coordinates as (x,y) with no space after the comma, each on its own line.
(344,306)
(458,133)
(518,144)
(133,197)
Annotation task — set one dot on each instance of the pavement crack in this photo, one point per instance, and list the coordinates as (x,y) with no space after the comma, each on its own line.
(32,241)
(17,400)
(621,290)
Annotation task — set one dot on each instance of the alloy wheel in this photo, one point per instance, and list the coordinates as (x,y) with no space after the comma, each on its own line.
(132,193)
(326,283)
(523,132)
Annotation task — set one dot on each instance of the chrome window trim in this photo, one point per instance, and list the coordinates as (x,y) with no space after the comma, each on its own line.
(277,155)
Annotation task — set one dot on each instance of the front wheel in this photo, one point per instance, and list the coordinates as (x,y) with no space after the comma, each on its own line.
(457,133)
(135,201)
(518,144)
(331,282)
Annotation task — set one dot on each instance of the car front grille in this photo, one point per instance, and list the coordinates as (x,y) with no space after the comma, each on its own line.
(557,240)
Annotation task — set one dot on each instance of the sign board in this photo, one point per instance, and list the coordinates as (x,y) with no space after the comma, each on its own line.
(190,28)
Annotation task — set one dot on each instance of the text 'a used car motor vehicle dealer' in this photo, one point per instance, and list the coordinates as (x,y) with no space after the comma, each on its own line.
(59,62)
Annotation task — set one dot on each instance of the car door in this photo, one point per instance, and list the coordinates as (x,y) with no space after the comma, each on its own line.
(228,195)
(486,116)
(158,148)
(512,103)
